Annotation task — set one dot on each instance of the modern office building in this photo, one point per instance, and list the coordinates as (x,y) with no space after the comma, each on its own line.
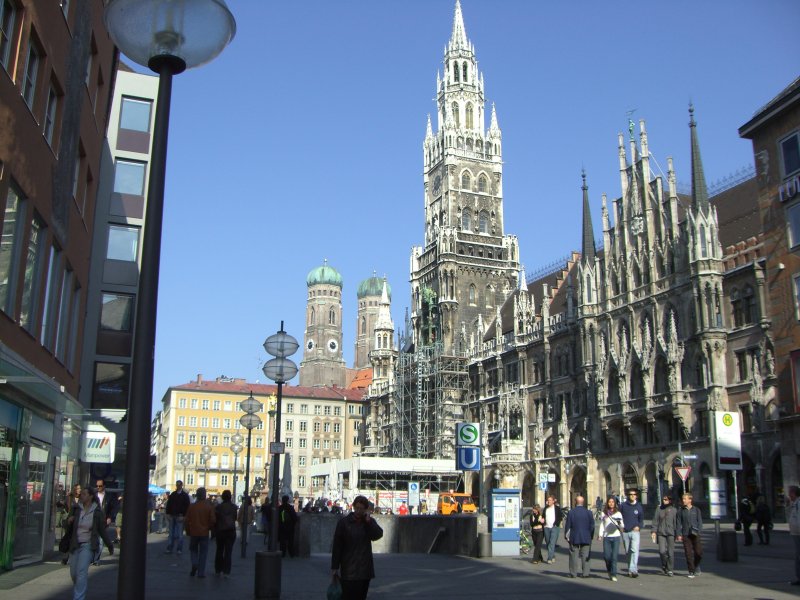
(57,68)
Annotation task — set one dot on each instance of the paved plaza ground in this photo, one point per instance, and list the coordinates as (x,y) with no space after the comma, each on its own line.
(761,572)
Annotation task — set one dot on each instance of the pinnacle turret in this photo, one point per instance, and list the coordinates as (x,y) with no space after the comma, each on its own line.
(494,128)
(587,243)
(458,39)
(699,190)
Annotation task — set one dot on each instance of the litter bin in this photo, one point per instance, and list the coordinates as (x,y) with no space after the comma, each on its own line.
(484,545)
(268,576)
(727,550)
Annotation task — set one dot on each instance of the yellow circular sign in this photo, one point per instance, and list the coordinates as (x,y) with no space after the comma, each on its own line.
(727,420)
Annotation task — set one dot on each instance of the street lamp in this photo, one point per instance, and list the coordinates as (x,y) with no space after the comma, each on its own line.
(206,456)
(236,448)
(249,420)
(280,369)
(185,461)
(167,38)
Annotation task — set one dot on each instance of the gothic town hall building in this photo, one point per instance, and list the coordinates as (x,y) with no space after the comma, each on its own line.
(603,373)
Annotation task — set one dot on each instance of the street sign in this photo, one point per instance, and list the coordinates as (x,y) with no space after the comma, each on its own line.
(729,441)
(683,472)
(543,486)
(277,447)
(551,477)
(542,477)
(468,458)
(468,434)
(413,493)
(690,457)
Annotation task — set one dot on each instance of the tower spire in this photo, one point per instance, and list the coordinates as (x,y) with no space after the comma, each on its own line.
(587,245)
(699,190)
(459,37)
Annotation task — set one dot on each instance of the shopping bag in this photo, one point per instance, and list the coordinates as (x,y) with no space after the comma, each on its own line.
(335,590)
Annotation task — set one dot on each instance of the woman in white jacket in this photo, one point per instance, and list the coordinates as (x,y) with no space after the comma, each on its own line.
(611,534)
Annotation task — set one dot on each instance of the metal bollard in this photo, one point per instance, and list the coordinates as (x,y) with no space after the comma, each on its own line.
(268,576)
(484,545)
(727,550)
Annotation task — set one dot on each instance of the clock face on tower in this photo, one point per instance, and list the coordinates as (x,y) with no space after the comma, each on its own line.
(333,345)
(310,345)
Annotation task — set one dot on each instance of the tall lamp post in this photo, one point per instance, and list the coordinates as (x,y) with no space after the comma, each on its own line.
(185,461)
(249,420)
(280,369)
(206,456)
(236,448)
(166,37)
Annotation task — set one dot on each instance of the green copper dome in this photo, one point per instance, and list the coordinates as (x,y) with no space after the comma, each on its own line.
(373,287)
(324,275)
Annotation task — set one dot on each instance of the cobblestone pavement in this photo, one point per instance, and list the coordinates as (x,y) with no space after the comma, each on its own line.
(761,572)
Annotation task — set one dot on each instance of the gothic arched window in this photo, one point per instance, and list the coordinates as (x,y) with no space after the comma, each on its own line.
(456,116)
(464,72)
(363,325)
(455,71)
(311,317)
(332,317)
(748,305)
(466,180)
(703,244)
(466,222)
(483,222)
(483,183)
(471,294)
(588,288)
(468,110)
(489,295)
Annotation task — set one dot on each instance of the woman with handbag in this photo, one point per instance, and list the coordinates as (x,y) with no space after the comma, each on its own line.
(611,533)
(88,524)
(537,533)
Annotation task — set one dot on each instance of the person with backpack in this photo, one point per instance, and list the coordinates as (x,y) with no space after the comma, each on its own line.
(224,534)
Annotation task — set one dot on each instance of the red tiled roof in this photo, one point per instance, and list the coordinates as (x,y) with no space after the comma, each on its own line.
(361,380)
(263,389)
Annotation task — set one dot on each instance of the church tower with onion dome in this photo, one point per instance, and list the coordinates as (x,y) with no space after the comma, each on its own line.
(322,362)
(369,302)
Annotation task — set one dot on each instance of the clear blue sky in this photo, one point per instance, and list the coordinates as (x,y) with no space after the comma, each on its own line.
(303,141)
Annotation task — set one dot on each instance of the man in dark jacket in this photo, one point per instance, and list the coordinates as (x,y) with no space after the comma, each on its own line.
(689,526)
(177,505)
(633,521)
(579,531)
(287,517)
(664,526)
(351,555)
(109,502)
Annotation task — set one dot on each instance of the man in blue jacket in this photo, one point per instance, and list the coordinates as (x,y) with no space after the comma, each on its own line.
(579,531)
(633,521)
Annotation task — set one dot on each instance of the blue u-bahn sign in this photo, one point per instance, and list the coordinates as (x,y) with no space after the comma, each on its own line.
(468,458)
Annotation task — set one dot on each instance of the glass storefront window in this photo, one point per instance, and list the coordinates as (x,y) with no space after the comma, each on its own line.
(31,507)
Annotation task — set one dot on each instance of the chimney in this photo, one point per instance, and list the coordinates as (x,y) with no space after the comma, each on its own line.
(199,378)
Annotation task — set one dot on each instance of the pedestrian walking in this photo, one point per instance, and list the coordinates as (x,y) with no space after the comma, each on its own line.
(689,526)
(793,506)
(633,521)
(199,522)
(665,522)
(579,531)
(552,526)
(611,529)
(287,518)
(109,502)
(747,514)
(537,533)
(88,527)
(73,502)
(351,554)
(177,505)
(224,534)
(247,514)
(763,521)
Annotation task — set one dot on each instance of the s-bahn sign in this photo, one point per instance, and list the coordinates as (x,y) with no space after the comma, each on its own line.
(468,434)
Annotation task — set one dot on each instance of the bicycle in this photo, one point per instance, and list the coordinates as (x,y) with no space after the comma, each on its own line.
(525,542)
